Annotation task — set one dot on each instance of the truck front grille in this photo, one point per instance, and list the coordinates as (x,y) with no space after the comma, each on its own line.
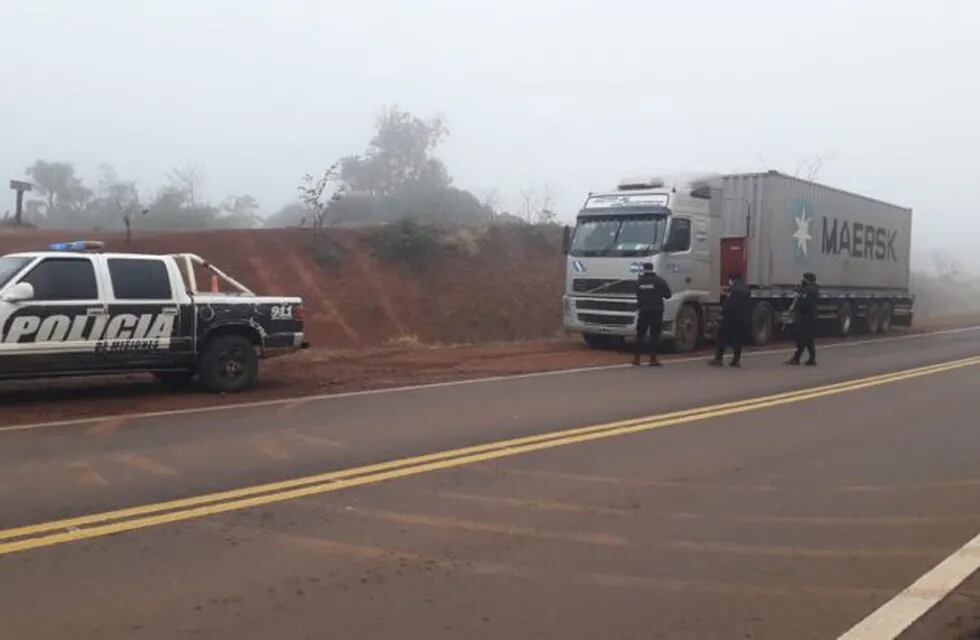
(604,286)
(595,318)
(606,305)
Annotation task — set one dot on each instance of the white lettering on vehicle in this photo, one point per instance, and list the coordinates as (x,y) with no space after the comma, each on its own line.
(282,312)
(128,330)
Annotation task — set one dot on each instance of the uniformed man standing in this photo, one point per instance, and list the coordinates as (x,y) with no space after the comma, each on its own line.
(651,291)
(808,299)
(735,316)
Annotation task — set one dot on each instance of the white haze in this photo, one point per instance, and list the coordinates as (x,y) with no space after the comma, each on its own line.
(564,92)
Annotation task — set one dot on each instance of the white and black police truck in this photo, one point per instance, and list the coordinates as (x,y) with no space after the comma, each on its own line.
(74,311)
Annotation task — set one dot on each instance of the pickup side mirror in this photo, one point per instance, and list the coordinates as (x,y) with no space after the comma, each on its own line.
(19,292)
(566,240)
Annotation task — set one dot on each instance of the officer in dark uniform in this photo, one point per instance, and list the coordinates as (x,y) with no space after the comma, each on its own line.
(651,291)
(735,317)
(808,299)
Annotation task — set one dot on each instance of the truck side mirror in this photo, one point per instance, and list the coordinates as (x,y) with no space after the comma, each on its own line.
(566,240)
(19,292)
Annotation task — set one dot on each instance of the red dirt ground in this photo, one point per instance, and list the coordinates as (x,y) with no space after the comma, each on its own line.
(367,319)
(496,284)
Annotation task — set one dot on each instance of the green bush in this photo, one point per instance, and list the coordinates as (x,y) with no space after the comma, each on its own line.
(406,242)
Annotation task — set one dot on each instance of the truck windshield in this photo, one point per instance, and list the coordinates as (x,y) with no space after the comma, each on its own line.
(618,236)
(9,266)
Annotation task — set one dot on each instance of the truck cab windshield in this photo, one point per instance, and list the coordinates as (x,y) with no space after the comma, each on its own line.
(618,236)
(9,266)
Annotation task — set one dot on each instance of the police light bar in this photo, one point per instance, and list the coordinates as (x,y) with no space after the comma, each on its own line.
(78,245)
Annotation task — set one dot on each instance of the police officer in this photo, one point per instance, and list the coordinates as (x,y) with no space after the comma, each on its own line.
(651,290)
(735,314)
(808,298)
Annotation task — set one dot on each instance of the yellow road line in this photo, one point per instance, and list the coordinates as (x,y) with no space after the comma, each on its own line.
(70,529)
(338,475)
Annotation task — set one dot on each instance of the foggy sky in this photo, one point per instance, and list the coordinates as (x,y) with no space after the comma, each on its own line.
(567,92)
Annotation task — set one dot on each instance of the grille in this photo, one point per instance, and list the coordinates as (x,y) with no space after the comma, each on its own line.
(598,285)
(606,305)
(595,318)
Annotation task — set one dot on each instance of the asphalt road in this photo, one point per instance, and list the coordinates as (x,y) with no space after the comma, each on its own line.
(685,502)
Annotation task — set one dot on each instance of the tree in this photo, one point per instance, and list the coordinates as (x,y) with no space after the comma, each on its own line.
(537,206)
(188,180)
(57,183)
(947,265)
(116,201)
(312,194)
(398,155)
(241,211)
(292,215)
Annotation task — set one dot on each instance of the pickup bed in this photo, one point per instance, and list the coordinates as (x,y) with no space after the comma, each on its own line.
(68,313)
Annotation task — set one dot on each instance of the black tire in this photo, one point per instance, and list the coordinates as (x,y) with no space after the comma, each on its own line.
(687,329)
(229,364)
(174,379)
(763,323)
(885,320)
(872,318)
(845,319)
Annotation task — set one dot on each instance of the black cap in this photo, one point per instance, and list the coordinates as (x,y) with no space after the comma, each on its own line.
(810,277)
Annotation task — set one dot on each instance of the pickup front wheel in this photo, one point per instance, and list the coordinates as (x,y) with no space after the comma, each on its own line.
(229,364)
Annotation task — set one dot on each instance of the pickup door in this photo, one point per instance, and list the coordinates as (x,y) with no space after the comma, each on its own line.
(150,322)
(53,331)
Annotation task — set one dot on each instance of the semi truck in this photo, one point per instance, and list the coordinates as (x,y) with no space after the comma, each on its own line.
(768,227)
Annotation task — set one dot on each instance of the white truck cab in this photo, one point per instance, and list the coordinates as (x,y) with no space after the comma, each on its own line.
(665,221)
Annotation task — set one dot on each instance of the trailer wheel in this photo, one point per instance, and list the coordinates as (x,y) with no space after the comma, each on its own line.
(845,319)
(762,324)
(885,317)
(687,329)
(872,318)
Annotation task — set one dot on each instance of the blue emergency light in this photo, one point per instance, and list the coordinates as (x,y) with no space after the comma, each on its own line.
(78,245)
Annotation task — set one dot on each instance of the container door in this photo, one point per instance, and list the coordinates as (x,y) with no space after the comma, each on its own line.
(734,258)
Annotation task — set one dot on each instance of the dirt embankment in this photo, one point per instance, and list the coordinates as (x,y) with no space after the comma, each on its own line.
(477,286)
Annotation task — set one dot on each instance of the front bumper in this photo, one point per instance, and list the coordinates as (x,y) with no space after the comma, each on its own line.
(579,317)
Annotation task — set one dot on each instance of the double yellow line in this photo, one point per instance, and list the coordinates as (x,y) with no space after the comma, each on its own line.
(150,515)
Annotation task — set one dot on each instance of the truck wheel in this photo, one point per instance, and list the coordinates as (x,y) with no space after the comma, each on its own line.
(845,319)
(762,324)
(687,329)
(872,318)
(229,364)
(885,317)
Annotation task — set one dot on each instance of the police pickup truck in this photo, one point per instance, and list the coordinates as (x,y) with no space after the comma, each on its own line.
(76,311)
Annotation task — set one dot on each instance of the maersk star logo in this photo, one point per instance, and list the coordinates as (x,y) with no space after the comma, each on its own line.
(802,234)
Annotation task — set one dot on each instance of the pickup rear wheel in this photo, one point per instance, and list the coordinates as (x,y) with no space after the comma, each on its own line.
(229,364)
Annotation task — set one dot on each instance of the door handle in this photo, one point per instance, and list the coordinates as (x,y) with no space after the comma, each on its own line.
(95,311)
(169,311)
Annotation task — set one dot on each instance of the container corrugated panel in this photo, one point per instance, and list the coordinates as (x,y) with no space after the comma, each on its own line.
(795,226)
